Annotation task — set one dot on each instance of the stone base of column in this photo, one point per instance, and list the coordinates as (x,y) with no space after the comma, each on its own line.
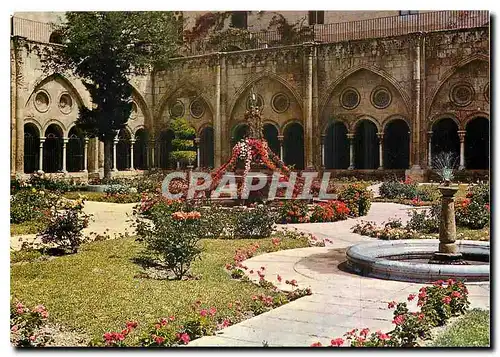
(350,168)
(380,168)
(416,174)
(447,259)
(461,167)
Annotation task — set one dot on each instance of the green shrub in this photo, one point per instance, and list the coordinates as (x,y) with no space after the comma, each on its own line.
(429,193)
(172,239)
(28,204)
(293,211)
(256,222)
(422,221)
(357,198)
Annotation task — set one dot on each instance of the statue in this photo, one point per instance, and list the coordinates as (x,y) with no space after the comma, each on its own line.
(253,118)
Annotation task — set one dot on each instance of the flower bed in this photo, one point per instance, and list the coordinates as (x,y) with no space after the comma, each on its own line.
(436,303)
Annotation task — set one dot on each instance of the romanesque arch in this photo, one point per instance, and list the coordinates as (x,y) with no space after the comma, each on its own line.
(53,149)
(396,143)
(366,153)
(336,146)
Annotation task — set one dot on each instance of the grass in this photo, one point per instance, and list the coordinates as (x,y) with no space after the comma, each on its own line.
(28,227)
(103,197)
(96,290)
(471,330)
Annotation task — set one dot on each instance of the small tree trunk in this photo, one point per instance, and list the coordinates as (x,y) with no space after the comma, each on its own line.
(108,157)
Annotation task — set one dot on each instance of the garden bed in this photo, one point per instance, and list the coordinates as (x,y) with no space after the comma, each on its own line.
(470,330)
(103,275)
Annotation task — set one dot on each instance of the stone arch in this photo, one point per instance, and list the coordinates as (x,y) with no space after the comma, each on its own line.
(63,128)
(336,145)
(35,123)
(256,78)
(137,128)
(366,153)
(359,119)
(396,143)
(375,70)
(40,81)
(473,116)
(326,124)
(53,147)
(141,102)
(202,127)
(172,91)
(270,131)
(31,145)
(290,122)
(75,149)
(445,136)
(141,137)
(436,118)
(451,71)
(391,118)
(293,145)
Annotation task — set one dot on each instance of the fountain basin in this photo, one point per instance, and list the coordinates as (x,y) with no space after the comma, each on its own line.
(407,260)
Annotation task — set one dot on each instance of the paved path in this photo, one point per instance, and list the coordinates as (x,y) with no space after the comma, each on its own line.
(340,301)
(109,219)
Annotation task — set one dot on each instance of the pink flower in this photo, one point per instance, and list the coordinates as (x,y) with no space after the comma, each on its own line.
(185,338)
(279,278)
(391,305)
(456,294)
(364,332)
(159,340)
(32,338)
(411,297)
(383,336)
(225,323)
(446,300)
(14,328)
(157,326)
(316,344)
(131,324)
(203,312)
(212,311)
(337,342)
(398,320)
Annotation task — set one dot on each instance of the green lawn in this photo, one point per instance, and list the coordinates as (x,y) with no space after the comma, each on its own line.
(28,227)
(96,290)
(471,330)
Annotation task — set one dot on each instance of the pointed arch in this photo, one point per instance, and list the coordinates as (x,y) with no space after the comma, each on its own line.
(71,88)
(172,91)
(375,70)
(257,77)
(452,70)
(136,94)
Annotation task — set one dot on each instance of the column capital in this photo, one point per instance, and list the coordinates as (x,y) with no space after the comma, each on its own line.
(281,137)
(380,135)
(42,139)
(65,140)
(197,140)
(86,140)
(461,134)
(430,132)
(116,140)
(350,136)
(132,141)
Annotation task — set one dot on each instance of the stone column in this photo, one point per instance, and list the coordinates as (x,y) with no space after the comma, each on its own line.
(323,151)
(40,159)
(218,116)
(132,143)
(429,149)
(21,80)
(151,154)
(197,142)
(461,135)
(65,143)
(280,139)
(448,250)
(350,136)
(85,154)
(115,141)
(380,151)
(419,82)
(309,108)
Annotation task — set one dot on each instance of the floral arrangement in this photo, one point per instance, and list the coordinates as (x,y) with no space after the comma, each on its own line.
(250,151)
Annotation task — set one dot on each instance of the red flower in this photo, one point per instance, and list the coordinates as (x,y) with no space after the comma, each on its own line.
(159,340)
(185,338)
(225,323)
(203,312)
(279,278)
(316,344)
(382,336)
(446,300)
(411,297)
(456,294)
(337,342)
(172,318)
(157,326)
(364,332)
(131,324)
(391,305)
(212,311)
(398,320)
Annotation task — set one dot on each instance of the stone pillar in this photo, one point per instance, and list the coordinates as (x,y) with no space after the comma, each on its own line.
(132,143)
(323,151)
(418,67)
(85,154)
(380,151)
(309,109)
(218,116)
(65,143)
(20,99)
(115,141)
(429,149)
(448,250)
(461,135)
(40,159)
(151,154)
(197,142)
(350,136)
(280,139)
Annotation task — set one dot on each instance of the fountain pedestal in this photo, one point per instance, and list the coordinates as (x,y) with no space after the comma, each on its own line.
(448,250)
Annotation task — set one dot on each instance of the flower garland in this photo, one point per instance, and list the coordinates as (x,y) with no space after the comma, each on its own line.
(250,151)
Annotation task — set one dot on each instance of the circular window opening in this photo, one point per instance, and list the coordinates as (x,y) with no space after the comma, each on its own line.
(260,102)
(381,98)
(42,101)
(177,109)
(349,98)
(65,103)
(280,102)
(197,108)
(462,94)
